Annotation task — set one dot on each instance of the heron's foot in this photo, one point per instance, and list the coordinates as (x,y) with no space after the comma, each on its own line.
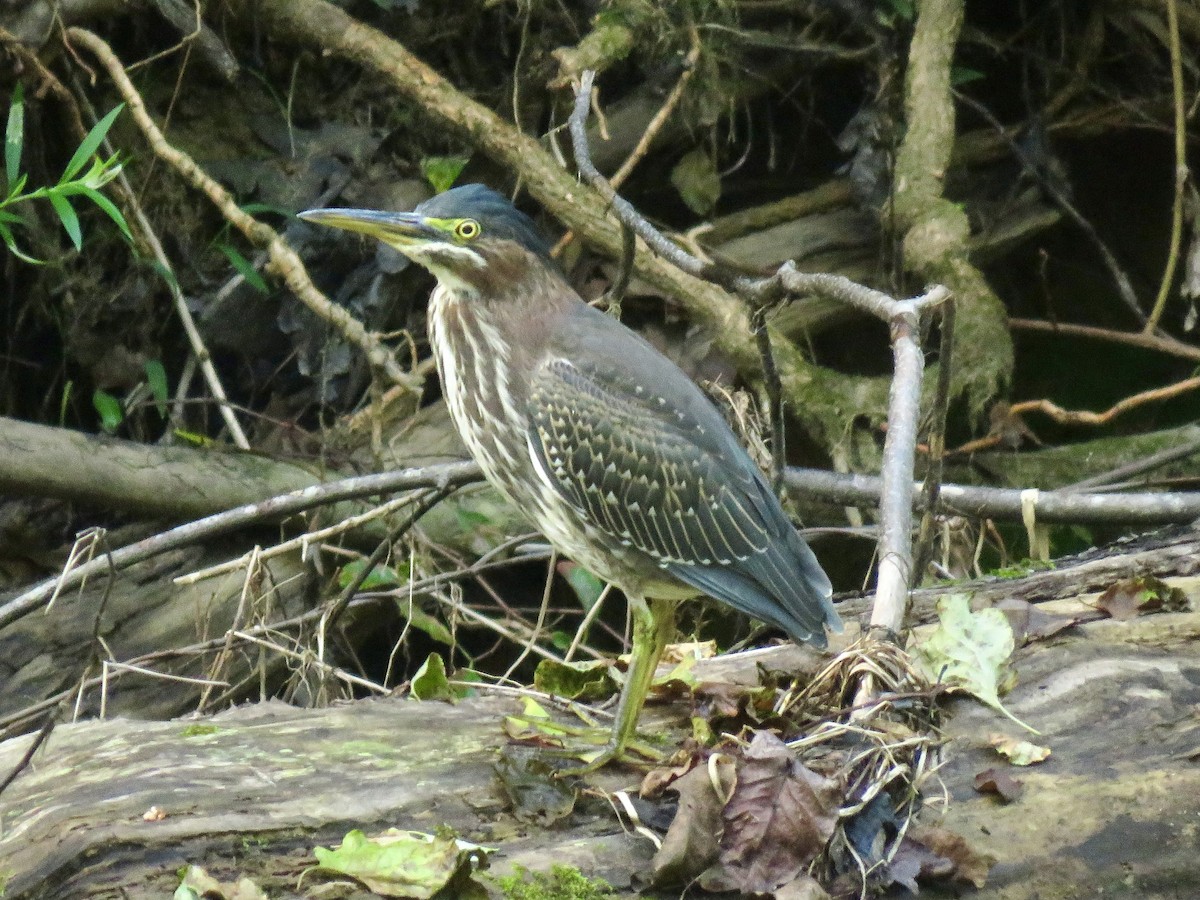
(632,753)
(584,748)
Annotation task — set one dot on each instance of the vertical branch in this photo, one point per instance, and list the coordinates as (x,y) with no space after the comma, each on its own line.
(899,452)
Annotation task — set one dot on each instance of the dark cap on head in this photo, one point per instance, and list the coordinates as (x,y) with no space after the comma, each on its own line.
(495,214)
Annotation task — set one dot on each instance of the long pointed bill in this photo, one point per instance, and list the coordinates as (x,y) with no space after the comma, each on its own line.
(400,229)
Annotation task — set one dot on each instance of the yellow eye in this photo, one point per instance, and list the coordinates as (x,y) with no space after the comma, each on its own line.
(467,229)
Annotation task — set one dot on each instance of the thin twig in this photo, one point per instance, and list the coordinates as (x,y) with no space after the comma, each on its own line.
(541,619)
(301,542)
(652,129)
(937,442)
(1086,417)
(1160,343)
(1061,505)
(39,739)
(774,388)
(1181,169)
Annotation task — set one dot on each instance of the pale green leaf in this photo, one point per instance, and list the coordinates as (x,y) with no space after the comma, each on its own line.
(14,137)
(587,587)
(10,241)
(442,171)
(109,209)
(403,863)
(970,651)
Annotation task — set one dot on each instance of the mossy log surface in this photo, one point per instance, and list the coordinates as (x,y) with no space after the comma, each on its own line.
(1115,811)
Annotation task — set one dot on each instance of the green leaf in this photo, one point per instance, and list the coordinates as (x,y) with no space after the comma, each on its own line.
(378,578)
(403,863)
(430,682)
(561,640)
(442,171)
(156,377)
(970,651)
(423,621)
(109,407)
(14,136)
(587,587)
(10,242)
(695,177)
(961,75)
(70,221)
(575,681)
(108,209)
(244,267)
(252,209)
(90,144)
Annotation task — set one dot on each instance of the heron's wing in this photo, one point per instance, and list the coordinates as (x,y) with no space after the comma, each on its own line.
(641,455)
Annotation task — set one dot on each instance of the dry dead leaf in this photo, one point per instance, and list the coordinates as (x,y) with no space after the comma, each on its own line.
(969,865)
(692,843)
(781,815)
(1029,623)
(1000,783)
(1133,597)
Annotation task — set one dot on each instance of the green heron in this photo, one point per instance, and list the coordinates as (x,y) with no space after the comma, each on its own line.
(612,451)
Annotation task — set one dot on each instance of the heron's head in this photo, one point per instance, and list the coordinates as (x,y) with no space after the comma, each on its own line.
(470,237)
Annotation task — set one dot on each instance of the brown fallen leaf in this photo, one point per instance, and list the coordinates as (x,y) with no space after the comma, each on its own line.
(1000,783)
(660,778)
(969,865)
(1029,623)
(781,815)
(692,843)
(1137,596)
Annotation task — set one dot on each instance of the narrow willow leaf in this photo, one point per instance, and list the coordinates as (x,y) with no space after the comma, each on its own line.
(245,268)
(90,144)
(109,210)
(70,221)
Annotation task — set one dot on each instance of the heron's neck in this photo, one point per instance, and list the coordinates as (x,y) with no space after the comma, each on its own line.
(523,312)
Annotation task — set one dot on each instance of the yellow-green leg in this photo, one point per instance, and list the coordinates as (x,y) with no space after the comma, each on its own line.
(653,628)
